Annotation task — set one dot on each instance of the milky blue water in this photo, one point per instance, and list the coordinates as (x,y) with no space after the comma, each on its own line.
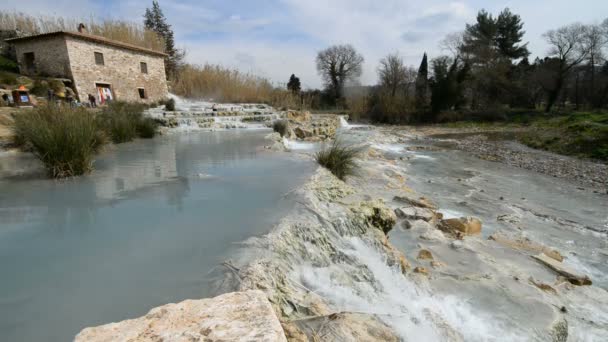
(147,228)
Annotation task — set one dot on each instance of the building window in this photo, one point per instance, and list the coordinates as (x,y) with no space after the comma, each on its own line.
(99,58)
(29,59)
(142,93)
(144,67)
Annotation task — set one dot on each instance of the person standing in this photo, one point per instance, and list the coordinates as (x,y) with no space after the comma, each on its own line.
(50,95)
(92,101)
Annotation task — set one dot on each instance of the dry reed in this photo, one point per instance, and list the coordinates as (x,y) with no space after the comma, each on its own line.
(124,31)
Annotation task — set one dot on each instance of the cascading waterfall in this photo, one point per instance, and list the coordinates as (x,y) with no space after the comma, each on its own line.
(343,123)
(197,114)
(412,310)
(188,125)
(294,145)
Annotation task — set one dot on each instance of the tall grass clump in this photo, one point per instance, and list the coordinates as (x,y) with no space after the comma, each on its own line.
(281,127)
(147,128)
(221,84)
(64,139)
(338,159)
(124,121)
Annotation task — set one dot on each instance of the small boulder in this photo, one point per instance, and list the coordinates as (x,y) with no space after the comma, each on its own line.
(302,133)
(437,264)
(421,270)
(433,235)
(463,225)
(413,213)
(425,254)
(571,275)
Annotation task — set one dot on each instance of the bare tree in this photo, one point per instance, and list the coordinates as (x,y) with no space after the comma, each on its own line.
(392,73)
(337,65)
(569,49)
(453,43)
(594,41)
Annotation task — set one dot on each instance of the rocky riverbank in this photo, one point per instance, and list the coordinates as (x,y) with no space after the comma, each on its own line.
(500,146)
(371,260)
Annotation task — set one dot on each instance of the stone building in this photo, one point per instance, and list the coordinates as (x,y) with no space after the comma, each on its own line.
(105,68)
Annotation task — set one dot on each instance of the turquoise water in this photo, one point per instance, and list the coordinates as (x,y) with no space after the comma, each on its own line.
(147,228)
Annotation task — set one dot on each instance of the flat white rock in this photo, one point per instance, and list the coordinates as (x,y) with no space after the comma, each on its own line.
(237,316)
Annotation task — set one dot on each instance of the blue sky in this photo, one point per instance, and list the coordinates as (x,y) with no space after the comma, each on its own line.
(274,38)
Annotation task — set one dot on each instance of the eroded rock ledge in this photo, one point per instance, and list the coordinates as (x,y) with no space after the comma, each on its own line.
(238,316)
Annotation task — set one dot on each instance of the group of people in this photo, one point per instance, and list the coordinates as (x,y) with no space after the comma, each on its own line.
(71,100)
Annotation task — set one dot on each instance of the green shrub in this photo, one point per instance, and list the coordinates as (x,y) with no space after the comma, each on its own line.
(8,65)
(122,120)
(281,127)
(64,139)
(8,78)
(40,88)
(170,105)
(338,159)
(147,128)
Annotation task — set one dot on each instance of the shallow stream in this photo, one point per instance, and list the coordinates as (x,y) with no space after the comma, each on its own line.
(148,227)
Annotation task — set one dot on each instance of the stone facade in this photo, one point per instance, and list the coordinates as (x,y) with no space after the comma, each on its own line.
(50,57)
(72,56)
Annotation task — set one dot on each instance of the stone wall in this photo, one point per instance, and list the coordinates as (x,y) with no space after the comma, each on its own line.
(51,56)
(121,70)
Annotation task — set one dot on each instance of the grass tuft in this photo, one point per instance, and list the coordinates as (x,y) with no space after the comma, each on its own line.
(170,105)
(147,128)
(281,127)
(338,159)
(64,139)
(124,121)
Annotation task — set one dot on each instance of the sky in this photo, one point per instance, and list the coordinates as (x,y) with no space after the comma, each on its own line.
(275,38)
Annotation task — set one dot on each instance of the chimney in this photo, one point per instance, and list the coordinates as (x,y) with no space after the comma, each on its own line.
(82,28)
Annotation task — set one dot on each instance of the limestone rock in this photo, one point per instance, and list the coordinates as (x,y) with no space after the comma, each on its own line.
(422,202)
(437,264)
(377,214)
(525,244)
(543,286)
(273,137)
(417,224)
(571,275)
(347,326)
(433,235)
(463,225)
(413,213)
(302,133)
(425,254)
(299,116)
(237,316)
(421,270)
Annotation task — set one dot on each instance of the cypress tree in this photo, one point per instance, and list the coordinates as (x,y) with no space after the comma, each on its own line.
(422,84)
(294,84)
(155,20)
